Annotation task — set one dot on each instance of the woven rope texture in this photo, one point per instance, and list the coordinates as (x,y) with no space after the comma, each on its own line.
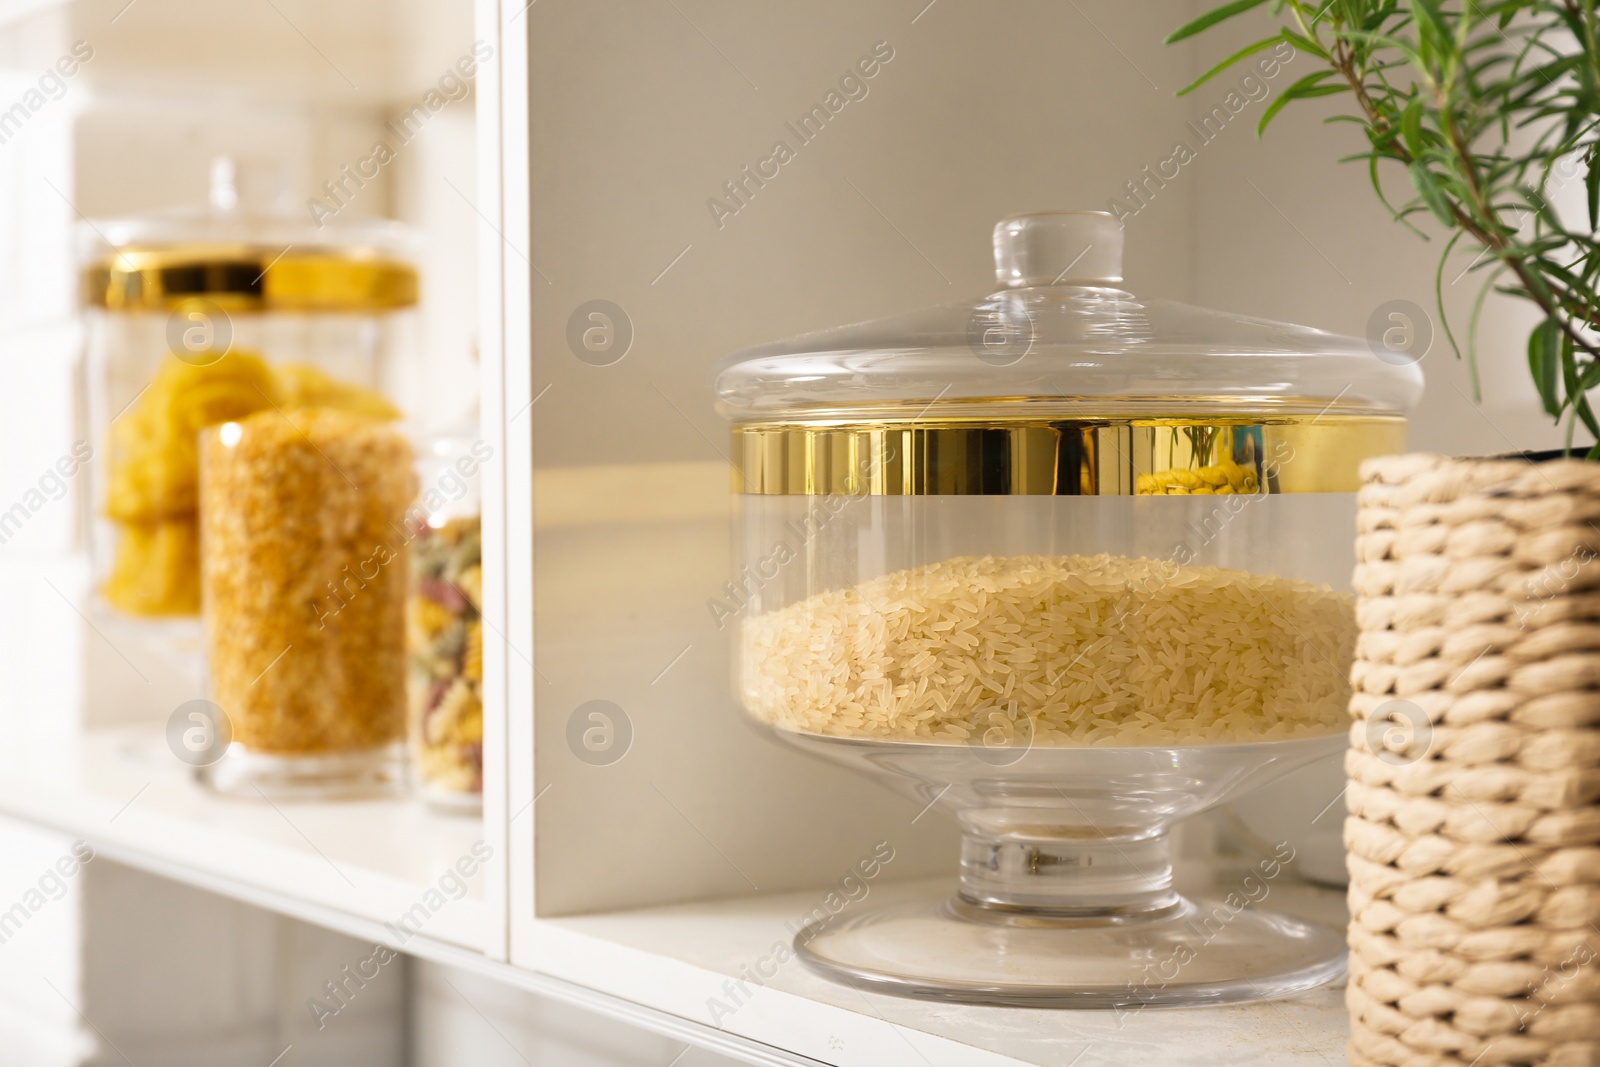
(1474,765)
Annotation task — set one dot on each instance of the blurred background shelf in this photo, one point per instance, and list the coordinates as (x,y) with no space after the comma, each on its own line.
(351,866)
(352,53)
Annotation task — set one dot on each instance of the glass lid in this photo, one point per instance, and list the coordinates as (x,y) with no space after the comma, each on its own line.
(1060,332)
(251,247)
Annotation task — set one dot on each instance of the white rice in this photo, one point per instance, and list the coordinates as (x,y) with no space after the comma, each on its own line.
(1067,650)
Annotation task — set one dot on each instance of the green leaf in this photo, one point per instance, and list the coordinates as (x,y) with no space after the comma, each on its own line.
(1438,288)
(1272,110)
(1427,186)
(1589,377)
(1211,18)
(1302,89)
(1321,90)
(1375,41)
(1305,44)
(1411,127)
(1587,415)
(1472,330)
(1591,183)
(1247,50)
(1544,363)
(1575,397)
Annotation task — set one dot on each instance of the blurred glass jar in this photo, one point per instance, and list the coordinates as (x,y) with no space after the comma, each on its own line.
(444,623)
(203,315)
(303,582)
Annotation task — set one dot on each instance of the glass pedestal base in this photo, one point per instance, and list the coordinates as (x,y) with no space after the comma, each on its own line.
(1066,894)
(1189,953)
(364,774)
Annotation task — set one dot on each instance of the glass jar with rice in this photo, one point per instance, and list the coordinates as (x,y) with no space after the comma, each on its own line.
(1073,564)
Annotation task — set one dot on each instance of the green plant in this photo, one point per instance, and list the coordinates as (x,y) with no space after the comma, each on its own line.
(1490,107)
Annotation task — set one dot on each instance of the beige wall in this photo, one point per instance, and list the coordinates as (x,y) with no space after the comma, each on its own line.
(985,110)
(639,117)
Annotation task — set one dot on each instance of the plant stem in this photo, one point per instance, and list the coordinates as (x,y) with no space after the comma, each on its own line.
(1486,235)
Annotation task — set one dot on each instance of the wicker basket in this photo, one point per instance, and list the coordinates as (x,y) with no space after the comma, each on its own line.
(1474,766)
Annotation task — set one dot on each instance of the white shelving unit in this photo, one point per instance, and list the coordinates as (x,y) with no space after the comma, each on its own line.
(642,889)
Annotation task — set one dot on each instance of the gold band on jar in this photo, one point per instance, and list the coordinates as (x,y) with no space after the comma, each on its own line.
(240,278)
(1137,457)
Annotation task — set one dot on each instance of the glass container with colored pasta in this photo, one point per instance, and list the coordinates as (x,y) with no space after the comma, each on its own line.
(444,623)
(203,315)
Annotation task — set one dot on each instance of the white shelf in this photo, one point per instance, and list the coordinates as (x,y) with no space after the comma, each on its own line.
(359,866)
(353,866)
(676,959)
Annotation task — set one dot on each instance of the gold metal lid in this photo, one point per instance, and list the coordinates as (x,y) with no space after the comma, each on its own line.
(1080,457)
(251,278)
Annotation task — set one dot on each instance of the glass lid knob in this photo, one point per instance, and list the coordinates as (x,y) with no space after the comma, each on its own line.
(251,185)
(1058,248)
